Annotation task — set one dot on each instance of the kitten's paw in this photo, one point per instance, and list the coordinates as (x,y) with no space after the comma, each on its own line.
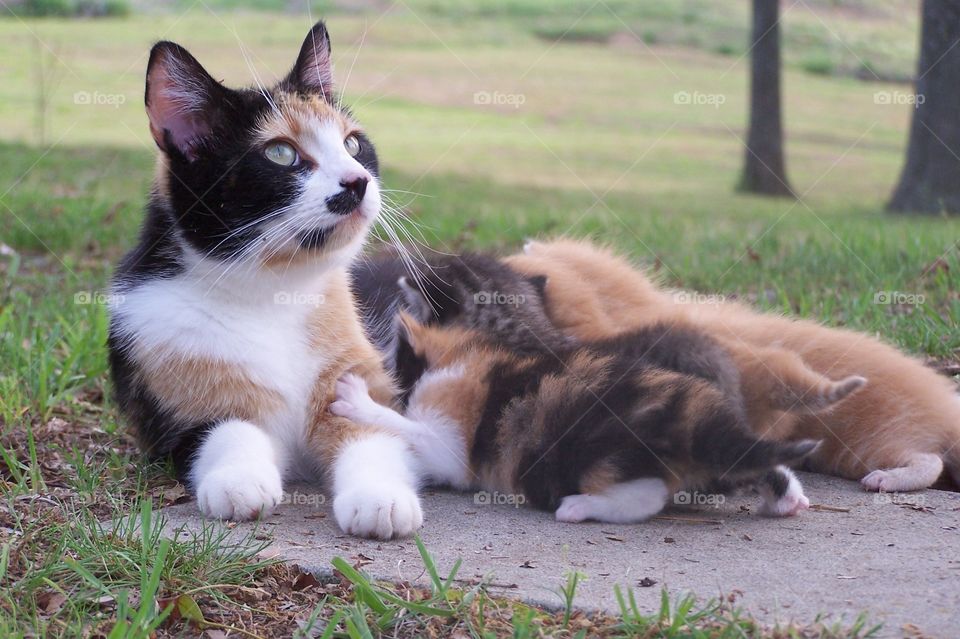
(790,503)
(380,512)
(343,408)
(884,481)
(351,386)
(239,493)
(353,399)
(576,508)
(786,506)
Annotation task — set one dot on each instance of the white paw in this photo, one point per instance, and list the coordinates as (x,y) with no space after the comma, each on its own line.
(787,506)
(575,508)
(880,480)
(343,408)
(380,512)
(353,399)
(239,492)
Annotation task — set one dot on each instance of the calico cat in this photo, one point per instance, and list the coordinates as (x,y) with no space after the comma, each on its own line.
(605,430)
(896,435)
(234,315)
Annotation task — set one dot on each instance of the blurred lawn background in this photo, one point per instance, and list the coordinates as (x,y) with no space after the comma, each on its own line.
(620,120)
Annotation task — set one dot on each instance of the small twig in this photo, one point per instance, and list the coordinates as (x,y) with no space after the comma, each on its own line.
(689,520)
(829,509)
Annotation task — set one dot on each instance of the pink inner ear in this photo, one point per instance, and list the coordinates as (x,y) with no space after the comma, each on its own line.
(176,106)
(317,73)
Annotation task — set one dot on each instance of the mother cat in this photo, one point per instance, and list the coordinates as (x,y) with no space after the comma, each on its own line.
(233,317)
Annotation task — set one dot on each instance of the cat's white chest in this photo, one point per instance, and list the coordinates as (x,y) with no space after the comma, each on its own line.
(267,341)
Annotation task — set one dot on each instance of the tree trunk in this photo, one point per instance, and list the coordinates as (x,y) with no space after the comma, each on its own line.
(930,181)
(764,171)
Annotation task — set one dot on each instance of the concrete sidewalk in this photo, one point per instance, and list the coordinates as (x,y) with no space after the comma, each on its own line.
(895,556)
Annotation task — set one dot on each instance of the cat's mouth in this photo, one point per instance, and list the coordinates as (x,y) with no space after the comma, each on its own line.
(344,229)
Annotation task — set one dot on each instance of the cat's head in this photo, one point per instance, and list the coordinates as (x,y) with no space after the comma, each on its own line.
(269,176)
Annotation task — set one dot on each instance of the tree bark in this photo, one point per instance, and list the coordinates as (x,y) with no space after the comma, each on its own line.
(930,180)
(764,170)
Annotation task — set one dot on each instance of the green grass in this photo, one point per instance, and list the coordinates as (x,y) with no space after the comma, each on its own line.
(599,147)
(857,35)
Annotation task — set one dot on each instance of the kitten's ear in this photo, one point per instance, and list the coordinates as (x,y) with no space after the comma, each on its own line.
(409,328)
(313,72)
(417,304)
(182,100)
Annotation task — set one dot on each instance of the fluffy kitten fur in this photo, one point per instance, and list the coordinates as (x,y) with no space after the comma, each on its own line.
(893,436)
(605,430)
(234,315)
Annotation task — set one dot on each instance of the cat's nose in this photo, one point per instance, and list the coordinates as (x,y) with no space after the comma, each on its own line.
(357,187)
(347,200)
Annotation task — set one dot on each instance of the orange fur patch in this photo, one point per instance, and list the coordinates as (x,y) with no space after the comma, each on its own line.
(297,116)
(199,389)
(335,330)
(905,407)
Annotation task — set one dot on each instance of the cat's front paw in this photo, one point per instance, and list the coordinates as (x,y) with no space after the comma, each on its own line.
(239,492)
(380,512)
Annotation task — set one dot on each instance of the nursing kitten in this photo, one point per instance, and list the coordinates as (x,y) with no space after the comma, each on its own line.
(482,292)
(895,435)
(607,430)
(233,317)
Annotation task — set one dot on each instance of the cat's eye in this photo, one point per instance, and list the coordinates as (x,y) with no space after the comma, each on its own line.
(282,153)
(352,144)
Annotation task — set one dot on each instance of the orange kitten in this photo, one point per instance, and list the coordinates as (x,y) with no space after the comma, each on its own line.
(894,435)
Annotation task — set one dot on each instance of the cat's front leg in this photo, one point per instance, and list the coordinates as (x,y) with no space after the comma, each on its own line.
(375,486)
(236,472)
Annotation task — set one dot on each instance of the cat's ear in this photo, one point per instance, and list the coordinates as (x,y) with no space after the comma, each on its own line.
(182,100)
(409,329)
(416,302)
(313,72)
